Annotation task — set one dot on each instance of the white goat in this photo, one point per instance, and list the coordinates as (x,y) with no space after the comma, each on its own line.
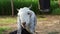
(26,19)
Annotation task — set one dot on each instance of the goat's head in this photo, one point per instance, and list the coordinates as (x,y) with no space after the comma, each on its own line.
(24,15)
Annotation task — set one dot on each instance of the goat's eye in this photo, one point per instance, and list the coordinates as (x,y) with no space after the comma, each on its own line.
(28,13)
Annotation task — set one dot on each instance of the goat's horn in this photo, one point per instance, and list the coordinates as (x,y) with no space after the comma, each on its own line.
(30,6)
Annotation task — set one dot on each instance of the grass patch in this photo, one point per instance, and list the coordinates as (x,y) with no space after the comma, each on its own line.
(53,33)
(7,20)
(4,29)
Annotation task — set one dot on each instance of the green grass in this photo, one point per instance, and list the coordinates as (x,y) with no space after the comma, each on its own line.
(4,29)
(7,20)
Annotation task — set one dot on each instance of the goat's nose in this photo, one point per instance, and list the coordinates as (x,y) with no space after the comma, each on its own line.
(24,24)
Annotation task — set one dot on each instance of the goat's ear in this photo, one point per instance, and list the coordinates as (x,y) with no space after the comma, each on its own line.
(17,9)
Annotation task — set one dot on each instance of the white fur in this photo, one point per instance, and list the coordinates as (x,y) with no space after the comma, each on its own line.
(29,19)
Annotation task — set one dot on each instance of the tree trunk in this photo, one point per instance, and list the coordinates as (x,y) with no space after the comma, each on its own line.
(38,5)
(12,7)
(59,3)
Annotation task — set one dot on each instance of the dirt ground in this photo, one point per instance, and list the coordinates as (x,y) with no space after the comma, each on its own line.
(50,24)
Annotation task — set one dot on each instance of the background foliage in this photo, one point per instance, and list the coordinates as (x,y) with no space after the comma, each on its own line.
(5,6)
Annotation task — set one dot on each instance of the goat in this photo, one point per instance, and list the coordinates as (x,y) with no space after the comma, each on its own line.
(27,19)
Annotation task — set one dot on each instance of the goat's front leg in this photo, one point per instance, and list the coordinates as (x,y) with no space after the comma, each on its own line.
(19,31)
(18,25)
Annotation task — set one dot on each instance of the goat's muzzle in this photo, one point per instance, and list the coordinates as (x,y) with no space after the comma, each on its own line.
(24,24)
